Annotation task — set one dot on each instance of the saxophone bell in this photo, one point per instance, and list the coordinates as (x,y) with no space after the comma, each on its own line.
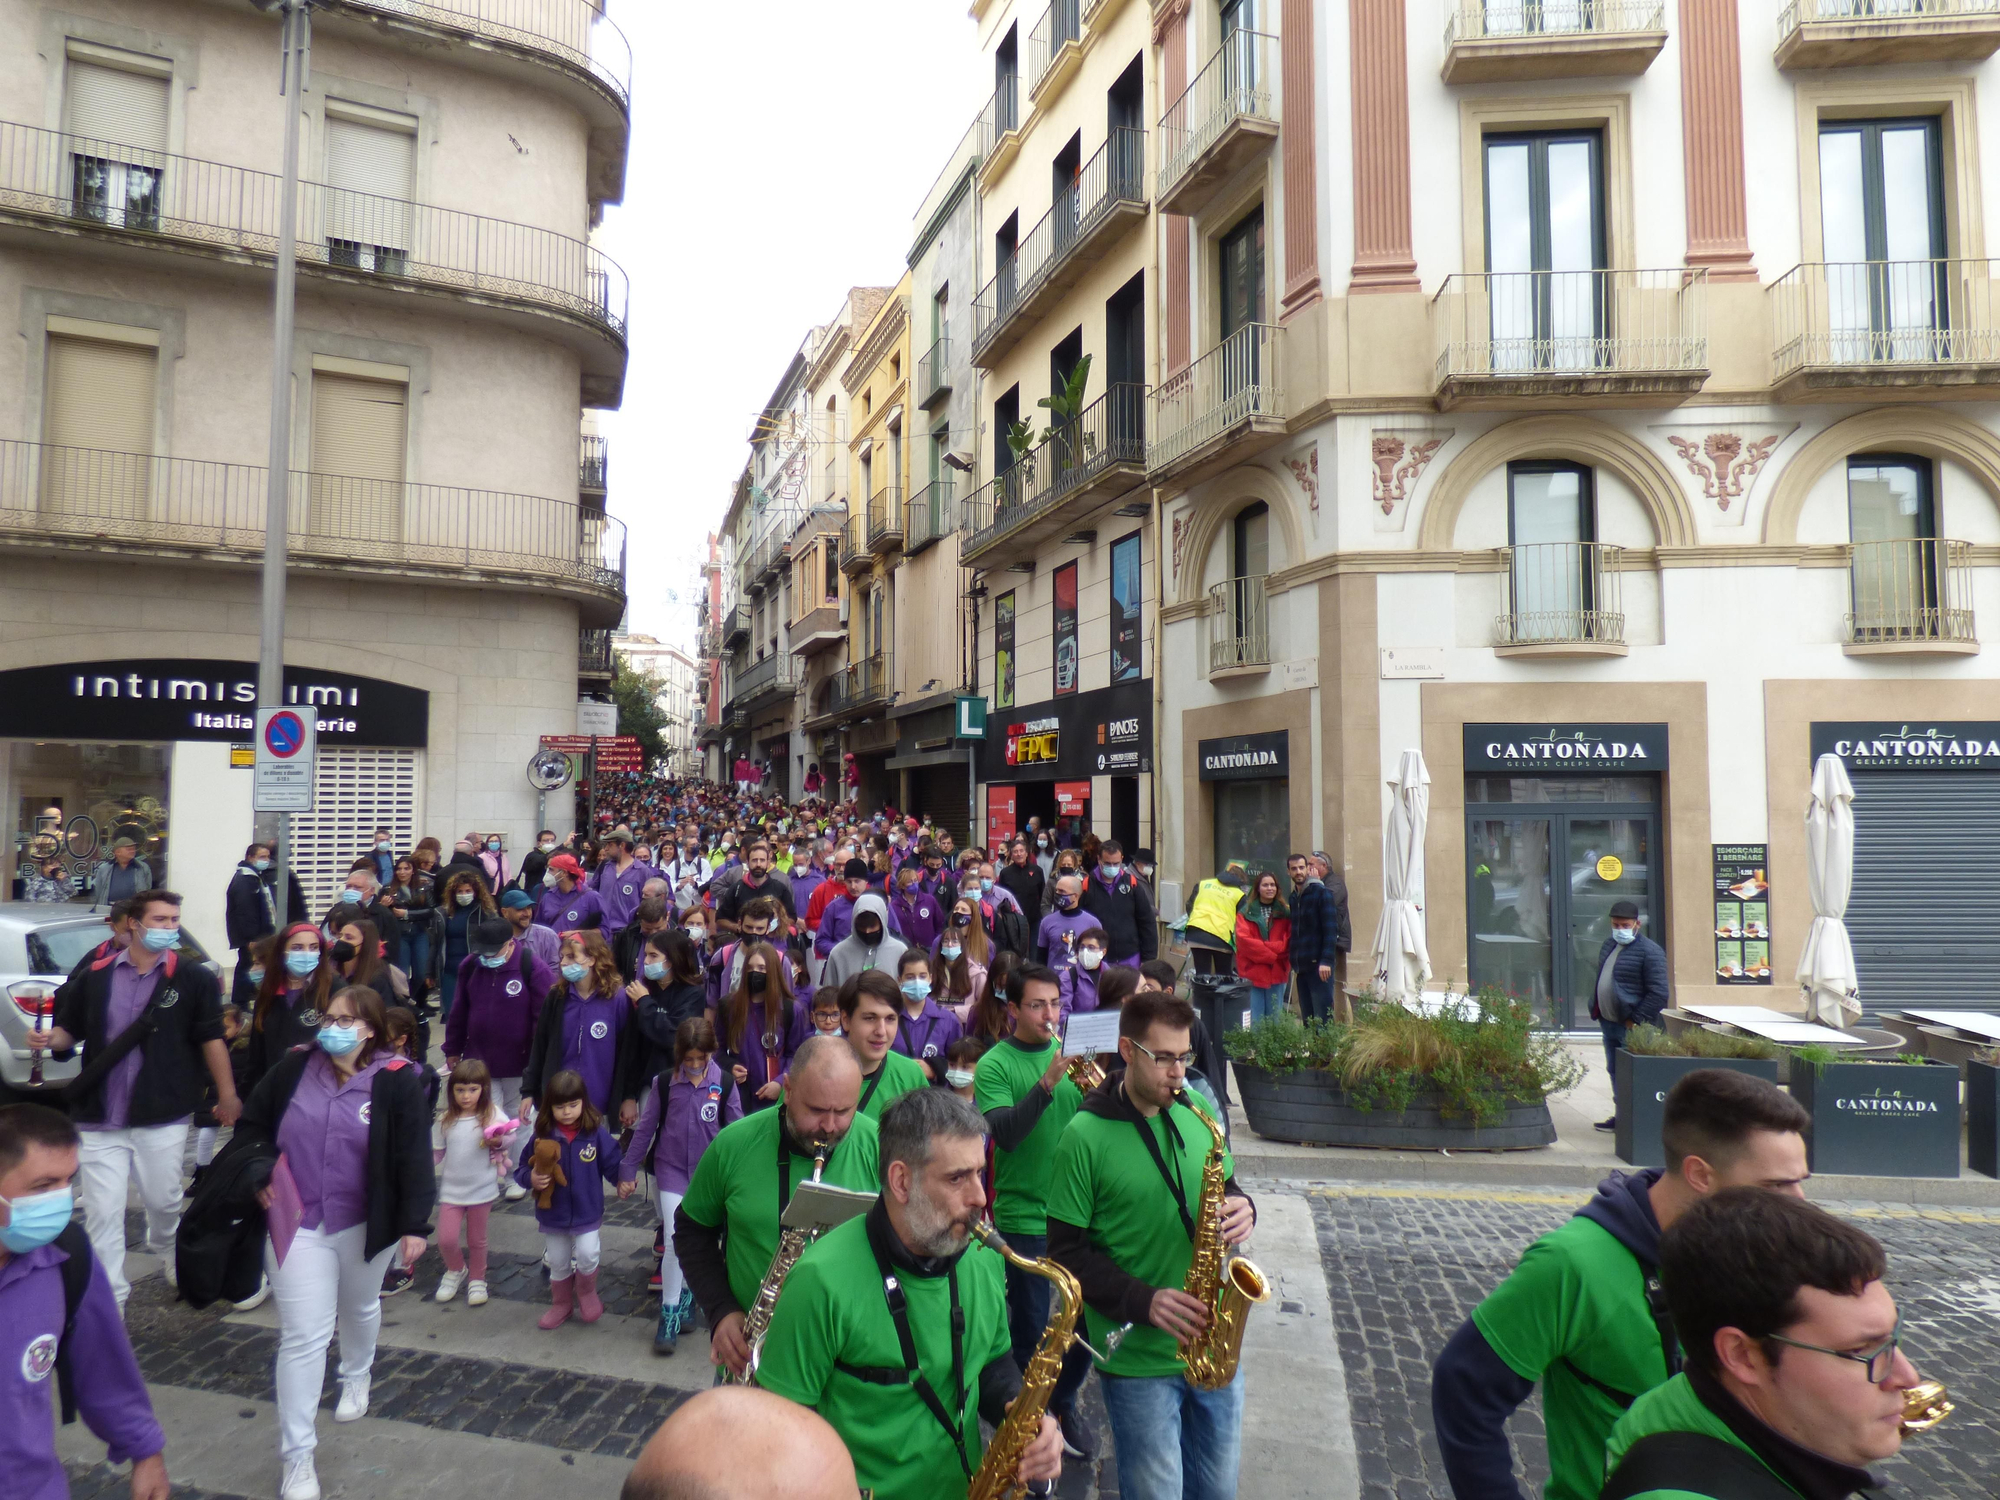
(1924,1406)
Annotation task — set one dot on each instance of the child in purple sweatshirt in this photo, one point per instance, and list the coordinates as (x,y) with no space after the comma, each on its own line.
(587,1157)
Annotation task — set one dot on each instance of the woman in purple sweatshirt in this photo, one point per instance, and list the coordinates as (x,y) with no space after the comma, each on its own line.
(587,1157)
(588,1025)
(682,1112)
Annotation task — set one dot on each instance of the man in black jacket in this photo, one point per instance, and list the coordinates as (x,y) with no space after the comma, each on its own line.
(651,917)
(151,1025)
(1024,879)
(1631,987)
(1123,908)
(1321,932)
(248,914)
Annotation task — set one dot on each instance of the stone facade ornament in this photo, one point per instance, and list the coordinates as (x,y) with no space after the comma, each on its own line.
(1725,458)
(1306,472)
(1399,459)
(1183,524)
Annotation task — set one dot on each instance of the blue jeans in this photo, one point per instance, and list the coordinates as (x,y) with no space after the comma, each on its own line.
(1315,994)
(1266,1000)
(417,959)
(1614,1038)
(1174,1442)
(1028,1314)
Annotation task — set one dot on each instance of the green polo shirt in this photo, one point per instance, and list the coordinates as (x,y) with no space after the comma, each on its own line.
(1004,1077)
(832,1329)
(899,1075)
(1673,1407)
(735,1188)
(1576,1303)
(1104,1181)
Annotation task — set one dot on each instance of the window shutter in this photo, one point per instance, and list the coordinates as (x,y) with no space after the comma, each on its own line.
(355,792)
(371,177)
(358,429)
(97,423)
(116,106)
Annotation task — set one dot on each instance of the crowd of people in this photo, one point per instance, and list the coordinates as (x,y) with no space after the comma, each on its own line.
(729,996)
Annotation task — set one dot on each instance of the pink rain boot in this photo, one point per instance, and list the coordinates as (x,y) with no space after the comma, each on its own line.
(564,1294)
(589,1307)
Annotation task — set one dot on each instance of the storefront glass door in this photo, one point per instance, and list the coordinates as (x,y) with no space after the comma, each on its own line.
(1541,880)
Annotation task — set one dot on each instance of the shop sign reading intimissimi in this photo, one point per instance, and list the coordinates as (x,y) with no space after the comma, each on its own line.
(1245,757)
(1582,748)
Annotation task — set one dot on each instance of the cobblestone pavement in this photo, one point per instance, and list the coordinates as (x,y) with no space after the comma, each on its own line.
(1405,1265)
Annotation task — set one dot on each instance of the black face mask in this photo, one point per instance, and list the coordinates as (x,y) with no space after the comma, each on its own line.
(872,933)
(755,982)
(343,951)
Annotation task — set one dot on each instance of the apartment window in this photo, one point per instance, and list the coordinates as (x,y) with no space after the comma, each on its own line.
(359,434)
(1125,366)
(1065,192)
(1892,519)
(1007,80)
(1552,532)
(1881,188)
(1239,49)
(830,555)
(1006,416)
(940,312)
(371,177)
(895,456)
(1241,265)
(115,109)
(1544,242)
(1006,274)
(97,425)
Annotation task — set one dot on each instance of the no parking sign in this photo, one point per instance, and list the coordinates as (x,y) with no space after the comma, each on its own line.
(287,744)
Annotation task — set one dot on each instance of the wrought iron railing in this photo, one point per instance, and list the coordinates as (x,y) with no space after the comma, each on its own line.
(1114,175)
(574,32)
(1239,629)
(776,671)
(1001,114)
(859,684)
(593,468)
(89,496)
(593,653)
(188,201)
(1887,14)
(1562,593)
(735,626)
(931,517)
(1885,312)
(1060,24)
(1239,378)
(885,519)
(1601,323)
(934,370)
(1238,82)
(854,554)
(1917,589)
(1497,20)
(1109,432)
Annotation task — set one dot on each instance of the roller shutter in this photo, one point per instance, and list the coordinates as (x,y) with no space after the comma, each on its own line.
(118,107)
(356,791)
(944,795)
(371,174)
(97,420)
(1925,911)
(359,429)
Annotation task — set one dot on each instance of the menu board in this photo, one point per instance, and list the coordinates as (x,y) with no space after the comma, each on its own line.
(1742,914)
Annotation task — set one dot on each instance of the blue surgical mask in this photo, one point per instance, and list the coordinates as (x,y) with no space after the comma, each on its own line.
(656,971)
(256,978)
(574,972)
(958,1078)
(949,952)
(493,960)
(338,1041)
(1623,935)
(916,989)
(985,885)
(494,845)
(301,963)
(35,1220)
(160,939)
(260,865)
(351,896)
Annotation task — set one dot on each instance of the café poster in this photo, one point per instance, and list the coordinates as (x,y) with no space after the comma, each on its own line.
(1742,914)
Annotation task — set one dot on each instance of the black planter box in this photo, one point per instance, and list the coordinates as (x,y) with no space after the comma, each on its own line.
(1880,1119)
(1982,1118)
(1643,1081)
(1311,1107)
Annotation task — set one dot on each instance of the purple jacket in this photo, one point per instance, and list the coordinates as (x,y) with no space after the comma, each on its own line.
(112,1399)
(324,1138)
(618,894)
(579,909)
(839,921)
(494,1012)
(1079,989)
(919,917)
(804,882)
(589,1161)
(760,1064)
(1049,937)
(928,1036)
(669,1143)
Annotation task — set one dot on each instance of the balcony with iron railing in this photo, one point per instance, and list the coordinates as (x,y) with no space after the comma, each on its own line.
(1488,41)
(1853,33)
(1558,339)
(1845,330)
(931,517)
(763,682)
(79,186)
(711,639)
(855,558)
(860,686)
(934,371)
(574,35)
(1055,485)
(593,654)
(1054,49)
(1909,597)
(999,127)
(1239,627)
(885,521)
(735,627)
(1561,599)
(593,469)
(1224,407)
(138,505)
(1107,196)
(1223,120)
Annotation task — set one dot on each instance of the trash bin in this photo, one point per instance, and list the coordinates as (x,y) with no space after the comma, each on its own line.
(1221,1000)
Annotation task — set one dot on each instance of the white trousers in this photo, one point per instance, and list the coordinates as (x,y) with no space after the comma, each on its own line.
(570,1254)
(325,1284)
(507,1096)
(670,1268)
(107,1161)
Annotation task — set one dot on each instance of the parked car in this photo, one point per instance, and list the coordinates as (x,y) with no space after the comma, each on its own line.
(39,945)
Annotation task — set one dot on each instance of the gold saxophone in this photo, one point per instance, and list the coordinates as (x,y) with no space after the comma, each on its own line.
(791,1245)
(1924,1406)
(1225,1283)
(999,1471)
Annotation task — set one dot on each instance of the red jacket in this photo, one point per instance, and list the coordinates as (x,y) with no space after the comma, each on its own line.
(1262,961)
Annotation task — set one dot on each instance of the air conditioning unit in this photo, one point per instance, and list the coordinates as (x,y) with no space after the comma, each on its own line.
(844,604)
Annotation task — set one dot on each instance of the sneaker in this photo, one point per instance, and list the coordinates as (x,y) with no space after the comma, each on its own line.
(668,1333)
(170,1270)
(301,1481)
(1079,1439)
(257,1298)
(448,1285)
(1610,1124)
(515,1192)
(475,1294)
(353,1399)
(398,1280)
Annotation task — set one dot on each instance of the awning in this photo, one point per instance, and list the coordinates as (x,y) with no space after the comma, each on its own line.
(955,757)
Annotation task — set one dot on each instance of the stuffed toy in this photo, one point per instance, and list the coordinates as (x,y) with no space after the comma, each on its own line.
(548,1159)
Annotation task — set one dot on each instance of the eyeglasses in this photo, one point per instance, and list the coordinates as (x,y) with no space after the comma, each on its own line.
(1878,1361)
(1167,1059)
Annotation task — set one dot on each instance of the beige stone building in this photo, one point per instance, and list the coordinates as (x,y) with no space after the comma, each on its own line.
(453,573)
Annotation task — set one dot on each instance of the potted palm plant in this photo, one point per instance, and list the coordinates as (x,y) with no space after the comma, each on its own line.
(1652,1062)
(1070,447)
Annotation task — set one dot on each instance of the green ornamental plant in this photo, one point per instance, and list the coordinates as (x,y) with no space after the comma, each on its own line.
(1651,1041)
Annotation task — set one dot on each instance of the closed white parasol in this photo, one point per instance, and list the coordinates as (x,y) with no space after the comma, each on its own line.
(1402,959)
(1826,967)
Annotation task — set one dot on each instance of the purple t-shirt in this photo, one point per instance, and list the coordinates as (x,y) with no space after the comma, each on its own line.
(619,894)
(131,992)
(670,1143)
(592,1028)
(569,913)
(324,1138)
(929,1036)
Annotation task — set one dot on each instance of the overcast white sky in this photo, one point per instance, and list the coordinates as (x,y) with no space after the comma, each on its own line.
(779,154)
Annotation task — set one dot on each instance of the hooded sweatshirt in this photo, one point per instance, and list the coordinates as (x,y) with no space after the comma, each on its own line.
(850,956)
(838,920)
(1574,1316)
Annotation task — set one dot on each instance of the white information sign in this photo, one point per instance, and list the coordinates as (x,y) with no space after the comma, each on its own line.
(597,718)
(287,746)
(1092,1031)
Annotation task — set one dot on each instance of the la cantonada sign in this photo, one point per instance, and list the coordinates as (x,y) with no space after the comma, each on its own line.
(1585,748)
(1944,745)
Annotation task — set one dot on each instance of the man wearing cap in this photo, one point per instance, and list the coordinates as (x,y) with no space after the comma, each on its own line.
(838,919)
(501,985)
(518,907)
(620,878)
(567,904)
(1321,932)
(120,877)
(1631,988)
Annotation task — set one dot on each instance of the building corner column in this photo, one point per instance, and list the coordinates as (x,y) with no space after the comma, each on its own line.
(1300,136)
(1712,140)
(1380,85)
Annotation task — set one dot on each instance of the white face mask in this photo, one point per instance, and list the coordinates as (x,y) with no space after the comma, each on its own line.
(1090,958)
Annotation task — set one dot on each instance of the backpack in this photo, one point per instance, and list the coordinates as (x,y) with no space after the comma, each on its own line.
(76,1274)
(1696,1463)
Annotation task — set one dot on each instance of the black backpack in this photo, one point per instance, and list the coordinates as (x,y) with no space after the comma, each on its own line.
(1696,1463)
(76,1274)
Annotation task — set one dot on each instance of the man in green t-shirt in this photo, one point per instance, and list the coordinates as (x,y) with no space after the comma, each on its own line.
(1022,1087)
(870,1010)
(893,1327)
(1794,1383)
(726,1228)
(1578,1313)
(1124,1197)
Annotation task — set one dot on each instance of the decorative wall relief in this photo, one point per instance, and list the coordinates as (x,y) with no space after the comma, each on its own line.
(1724,459)
(1306,472)
(1183,523)
(1398,458)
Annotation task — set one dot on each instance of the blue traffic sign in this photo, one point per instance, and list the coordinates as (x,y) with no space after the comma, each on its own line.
(285,734)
